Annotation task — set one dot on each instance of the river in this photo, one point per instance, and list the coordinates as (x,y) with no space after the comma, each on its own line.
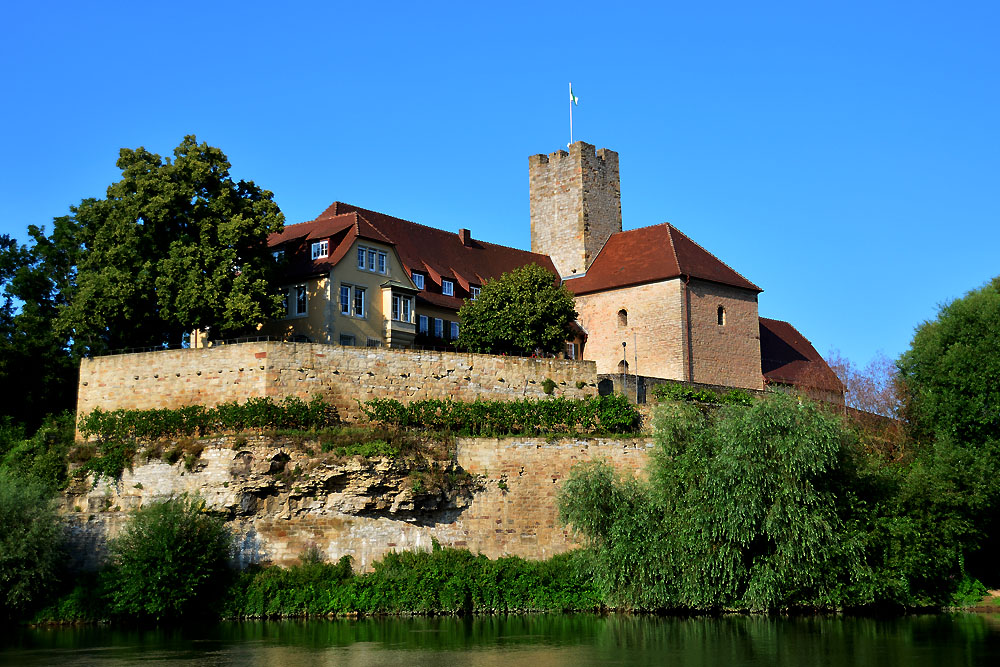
(537,641)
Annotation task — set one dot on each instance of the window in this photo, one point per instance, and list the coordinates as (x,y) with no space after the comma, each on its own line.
(373,259)
(623,318)
(346,339)
(278,255)
(454,330)
(373,342)
(359,302)
(721,315)
(474,291)
(320,249)
(447,288)
(438,327)
(401,306)
(418,280)
(571,350)
(301,300)
(422,324)
(345,300)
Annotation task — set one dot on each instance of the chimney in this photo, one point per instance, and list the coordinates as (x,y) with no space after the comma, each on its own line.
(465,236)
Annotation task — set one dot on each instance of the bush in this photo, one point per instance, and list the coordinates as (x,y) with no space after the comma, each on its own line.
(762,507)
(604,414)
(41,457)
(171,559)
(30,542)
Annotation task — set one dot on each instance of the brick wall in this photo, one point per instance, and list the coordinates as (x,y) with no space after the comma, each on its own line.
(729,354)
(344,375)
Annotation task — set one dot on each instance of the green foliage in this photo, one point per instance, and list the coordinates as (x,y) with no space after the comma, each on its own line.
(950,380)
(440,581)
(291,413)
(517,313)
(176,245)
(604,414)
(760,507)
(170,560)
(548,385)
(41,457)
(30,542)
(674,391)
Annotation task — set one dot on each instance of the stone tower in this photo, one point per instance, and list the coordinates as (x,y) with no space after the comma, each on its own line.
(576,204)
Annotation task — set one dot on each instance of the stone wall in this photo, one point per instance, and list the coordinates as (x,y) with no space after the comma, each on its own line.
(344,375)
(575,201)
(356,507)
(727,354)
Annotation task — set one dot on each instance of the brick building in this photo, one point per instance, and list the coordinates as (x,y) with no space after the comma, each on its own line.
(358,277)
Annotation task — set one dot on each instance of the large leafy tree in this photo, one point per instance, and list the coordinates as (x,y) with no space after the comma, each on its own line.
(517,313)
(951,389)
(176,245)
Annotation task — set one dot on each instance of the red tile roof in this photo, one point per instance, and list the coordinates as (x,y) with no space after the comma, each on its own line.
(787,357)
(650,254)
(434,252)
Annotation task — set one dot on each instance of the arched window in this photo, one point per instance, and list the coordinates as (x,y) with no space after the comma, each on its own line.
(722,316)
(623,318)
(622,366)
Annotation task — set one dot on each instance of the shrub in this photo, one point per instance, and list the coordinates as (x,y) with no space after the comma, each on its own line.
(30,542)
(170,560)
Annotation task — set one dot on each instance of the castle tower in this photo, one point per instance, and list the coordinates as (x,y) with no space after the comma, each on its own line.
(576,205)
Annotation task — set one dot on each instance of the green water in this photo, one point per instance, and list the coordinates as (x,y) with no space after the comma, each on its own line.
(537,641)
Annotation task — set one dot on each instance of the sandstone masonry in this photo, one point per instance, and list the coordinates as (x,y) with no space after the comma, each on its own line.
(342,375)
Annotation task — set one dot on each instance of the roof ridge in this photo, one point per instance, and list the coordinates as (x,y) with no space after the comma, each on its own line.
(704,249)
(673,248)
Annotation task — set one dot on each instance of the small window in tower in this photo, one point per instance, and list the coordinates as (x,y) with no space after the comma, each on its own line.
(623,318)
(722,316)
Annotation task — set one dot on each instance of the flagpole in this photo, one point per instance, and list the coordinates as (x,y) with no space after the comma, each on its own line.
(570,114)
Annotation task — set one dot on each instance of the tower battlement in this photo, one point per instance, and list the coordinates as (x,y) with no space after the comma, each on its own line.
(575,204)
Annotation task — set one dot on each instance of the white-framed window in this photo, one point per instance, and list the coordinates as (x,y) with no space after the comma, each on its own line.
(320,249)
(454,330)
(422,324)
(345,300)
(346,339)
(571,350)
(402,306)
(474,291)
(418,280)
(301,300)
(373,259)
(447,287)
(359,302)
(438,327)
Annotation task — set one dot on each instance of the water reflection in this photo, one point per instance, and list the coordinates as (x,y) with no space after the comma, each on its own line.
(541,641)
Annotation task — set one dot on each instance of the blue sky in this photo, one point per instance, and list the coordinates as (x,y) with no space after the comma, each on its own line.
(842,155)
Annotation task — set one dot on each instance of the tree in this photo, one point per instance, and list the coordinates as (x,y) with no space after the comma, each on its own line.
(30,542)
(950,378)
(873,389)
(518,313)
(951,373)
(170,560)
(176,245)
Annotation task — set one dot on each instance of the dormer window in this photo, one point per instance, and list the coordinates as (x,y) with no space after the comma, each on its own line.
(474,292)
(447,287)
(418,280)
(320,249)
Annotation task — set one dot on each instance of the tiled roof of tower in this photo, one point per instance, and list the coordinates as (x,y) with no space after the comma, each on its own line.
(649,254)
(434,252)
(787,357)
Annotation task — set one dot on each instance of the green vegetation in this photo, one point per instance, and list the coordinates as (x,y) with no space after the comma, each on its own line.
(170,560)
(674,391)
(30,543)
(518,313)
(601,415)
